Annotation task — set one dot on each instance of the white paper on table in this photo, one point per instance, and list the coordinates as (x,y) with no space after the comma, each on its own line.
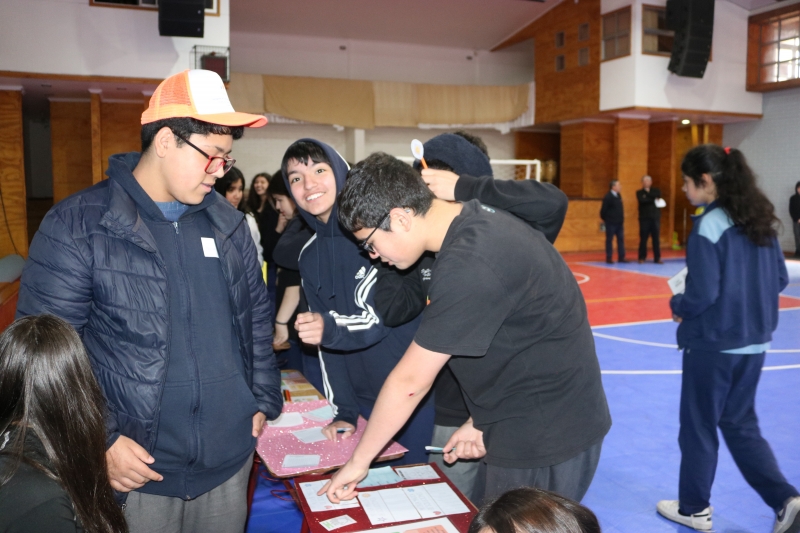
(310,435)
(304,398)
(677,283)
(376,510)
(322,503)
(286,420)
(661,203)
(320,414)
(399,505)
(300,461)
(423,502)
(417,472)
(440,525)
(337,522)
(447,500)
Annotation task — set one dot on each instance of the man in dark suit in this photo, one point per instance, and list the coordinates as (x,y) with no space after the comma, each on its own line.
(649,219)
(613,214)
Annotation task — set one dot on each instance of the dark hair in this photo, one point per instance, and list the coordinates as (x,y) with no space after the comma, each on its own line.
(47,387)
(531,510)
(737,192)
(796,186)
(473,139)
(302,151)
(377,185)
(226,183)
(186,127)
(612,183)
(278,186)
(254,201)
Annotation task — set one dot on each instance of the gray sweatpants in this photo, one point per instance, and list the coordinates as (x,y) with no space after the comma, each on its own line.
(221,510)
(570,479)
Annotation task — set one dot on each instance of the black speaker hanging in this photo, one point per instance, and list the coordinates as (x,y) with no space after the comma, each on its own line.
(181,18)
(693,22)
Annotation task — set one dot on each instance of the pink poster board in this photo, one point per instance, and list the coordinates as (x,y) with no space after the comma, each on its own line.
(275,443)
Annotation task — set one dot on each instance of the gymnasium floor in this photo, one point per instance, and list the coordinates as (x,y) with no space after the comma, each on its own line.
(635,336)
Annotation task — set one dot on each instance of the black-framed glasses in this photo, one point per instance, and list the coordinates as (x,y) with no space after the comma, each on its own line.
(365,244)
(214,162)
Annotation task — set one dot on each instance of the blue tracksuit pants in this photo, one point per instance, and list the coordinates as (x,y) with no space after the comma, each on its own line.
(719,390)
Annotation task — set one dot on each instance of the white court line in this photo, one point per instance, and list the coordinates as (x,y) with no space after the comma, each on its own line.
(605,326)
(675,372)
(608,267)
(581,281)
(673,346)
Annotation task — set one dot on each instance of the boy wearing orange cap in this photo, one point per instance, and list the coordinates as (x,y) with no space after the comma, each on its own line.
(159,276)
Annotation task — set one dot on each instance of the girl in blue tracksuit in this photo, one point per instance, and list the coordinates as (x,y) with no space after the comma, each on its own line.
(727,315)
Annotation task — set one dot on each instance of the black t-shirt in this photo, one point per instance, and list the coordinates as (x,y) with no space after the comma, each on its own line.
(505,305)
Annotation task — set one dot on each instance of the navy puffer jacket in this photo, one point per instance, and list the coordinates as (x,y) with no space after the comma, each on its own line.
(94,263)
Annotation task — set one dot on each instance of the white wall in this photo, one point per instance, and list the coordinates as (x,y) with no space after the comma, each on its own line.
(294,55)
(72,37)
(644,81)
(772,148)
(261,149)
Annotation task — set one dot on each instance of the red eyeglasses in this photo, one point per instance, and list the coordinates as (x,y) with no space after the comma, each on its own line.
(214,163)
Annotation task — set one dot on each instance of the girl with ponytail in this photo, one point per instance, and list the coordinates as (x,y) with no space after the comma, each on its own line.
(727,315)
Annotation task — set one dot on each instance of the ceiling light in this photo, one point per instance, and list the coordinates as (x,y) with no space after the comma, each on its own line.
(686,121)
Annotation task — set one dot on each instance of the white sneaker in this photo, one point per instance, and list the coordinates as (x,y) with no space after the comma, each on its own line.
(788,520)
(700,521)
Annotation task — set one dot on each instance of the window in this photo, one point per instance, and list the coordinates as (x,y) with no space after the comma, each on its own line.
(779,50)
(560,63)
(617,33)
(656,37)
(560,39)
(583,32)
(583,57)
(211,6)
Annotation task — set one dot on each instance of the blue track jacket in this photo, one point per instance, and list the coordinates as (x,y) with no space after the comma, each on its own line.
(731,297)
(358,350)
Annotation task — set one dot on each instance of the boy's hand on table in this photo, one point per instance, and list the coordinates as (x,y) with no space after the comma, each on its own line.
(310,327)
(330,431)
(468,444)
(441,182)
(342,486)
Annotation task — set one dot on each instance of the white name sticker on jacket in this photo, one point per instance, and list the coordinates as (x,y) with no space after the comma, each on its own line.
(209,248)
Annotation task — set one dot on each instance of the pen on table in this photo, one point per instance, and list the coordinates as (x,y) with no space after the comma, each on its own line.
(343,430)
(436,449)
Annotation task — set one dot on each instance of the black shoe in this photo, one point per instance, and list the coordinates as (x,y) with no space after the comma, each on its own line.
(609,261)
(623,261)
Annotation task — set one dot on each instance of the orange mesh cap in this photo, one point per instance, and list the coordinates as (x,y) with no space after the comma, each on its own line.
(198,94)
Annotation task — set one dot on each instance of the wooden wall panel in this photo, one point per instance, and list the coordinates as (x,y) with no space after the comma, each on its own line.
(581,229)
(575,91)
(537,145)
(661,167)
(572,158)
(71,140)
(598,164)
(713,133)
(97,138)
(681,206)
(631,149)
(14,222)
(121,127)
